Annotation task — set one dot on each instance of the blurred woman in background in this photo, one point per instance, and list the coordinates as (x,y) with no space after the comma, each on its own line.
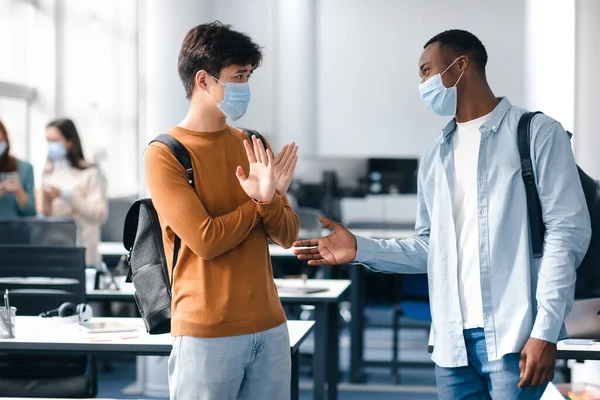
(17,196)
(73,188)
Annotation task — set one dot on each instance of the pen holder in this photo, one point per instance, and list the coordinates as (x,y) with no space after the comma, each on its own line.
(7,322)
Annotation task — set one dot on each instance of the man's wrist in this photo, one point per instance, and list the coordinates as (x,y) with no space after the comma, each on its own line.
(265,202)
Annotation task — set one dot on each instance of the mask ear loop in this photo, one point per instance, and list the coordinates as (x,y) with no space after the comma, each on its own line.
(449,66)
(212,98)
(459,78)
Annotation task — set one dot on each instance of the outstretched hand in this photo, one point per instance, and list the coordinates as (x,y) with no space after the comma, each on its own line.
(335,249)
(260,182)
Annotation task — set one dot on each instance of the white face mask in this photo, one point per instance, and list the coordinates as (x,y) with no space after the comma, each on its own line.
(235,100)
(56,150)
(437,97)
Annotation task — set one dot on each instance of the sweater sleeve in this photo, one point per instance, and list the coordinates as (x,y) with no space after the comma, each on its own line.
(28,186)
(91,202)
(281,222)
(180,207)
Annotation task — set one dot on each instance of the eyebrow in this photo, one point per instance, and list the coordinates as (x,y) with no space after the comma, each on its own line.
(243,70)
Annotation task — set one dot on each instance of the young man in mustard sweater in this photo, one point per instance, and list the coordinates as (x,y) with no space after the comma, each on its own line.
(231,339)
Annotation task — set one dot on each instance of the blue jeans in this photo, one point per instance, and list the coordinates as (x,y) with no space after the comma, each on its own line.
(483,379)
(256,366)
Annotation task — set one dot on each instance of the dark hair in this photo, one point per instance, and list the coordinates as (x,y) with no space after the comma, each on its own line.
(69,131)
(212,47)
(7,162)
(462,43)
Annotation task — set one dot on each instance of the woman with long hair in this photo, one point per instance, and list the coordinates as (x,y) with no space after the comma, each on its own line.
(17,194)
(73,188)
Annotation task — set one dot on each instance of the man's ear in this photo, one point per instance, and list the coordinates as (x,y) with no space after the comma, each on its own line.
(463,63)
(201,78)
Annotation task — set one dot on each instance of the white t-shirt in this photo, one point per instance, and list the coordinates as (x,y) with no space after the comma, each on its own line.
(465,144)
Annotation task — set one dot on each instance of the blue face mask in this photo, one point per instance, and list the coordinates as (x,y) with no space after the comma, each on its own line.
(56,150)
(235,100)
(3,147)
(437,97)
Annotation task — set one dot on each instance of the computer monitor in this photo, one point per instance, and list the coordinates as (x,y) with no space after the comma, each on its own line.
(40,232)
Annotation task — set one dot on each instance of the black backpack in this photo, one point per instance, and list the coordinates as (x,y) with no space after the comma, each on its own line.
(146,261)
(588,273)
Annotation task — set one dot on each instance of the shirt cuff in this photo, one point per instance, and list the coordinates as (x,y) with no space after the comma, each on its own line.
(265,209)
(364,251)
(546,327)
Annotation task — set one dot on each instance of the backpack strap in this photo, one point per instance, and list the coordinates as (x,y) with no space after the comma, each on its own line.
(252,132)
(184,158)
(181,154)
(534,209)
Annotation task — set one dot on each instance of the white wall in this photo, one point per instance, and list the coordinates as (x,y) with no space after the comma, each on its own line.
(368,63)
(550,59)
(587,101)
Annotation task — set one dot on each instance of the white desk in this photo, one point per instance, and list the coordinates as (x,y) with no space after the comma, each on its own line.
(384,233)
(116,249)
(335,290)
(44,335)
(326,354)
(578,352)
(37,335)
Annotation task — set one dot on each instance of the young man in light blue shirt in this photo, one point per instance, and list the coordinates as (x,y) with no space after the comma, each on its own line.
(497,312)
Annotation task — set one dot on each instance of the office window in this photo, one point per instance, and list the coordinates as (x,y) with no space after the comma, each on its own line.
(14,114)
(98,85)
(15,18)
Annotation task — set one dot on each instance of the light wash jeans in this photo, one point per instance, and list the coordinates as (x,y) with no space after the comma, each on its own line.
(256,366)
(483,379)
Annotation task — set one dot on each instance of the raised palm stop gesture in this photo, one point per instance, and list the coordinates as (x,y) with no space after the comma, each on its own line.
(285,164)
(260,182)
(335,249)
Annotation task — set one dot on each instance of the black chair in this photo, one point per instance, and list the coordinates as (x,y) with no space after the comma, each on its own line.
(40,278)
(413,307)
(40,232)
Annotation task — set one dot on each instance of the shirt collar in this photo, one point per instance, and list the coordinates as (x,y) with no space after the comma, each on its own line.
(492,123)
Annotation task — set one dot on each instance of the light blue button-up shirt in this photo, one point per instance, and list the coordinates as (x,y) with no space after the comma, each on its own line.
(522,297)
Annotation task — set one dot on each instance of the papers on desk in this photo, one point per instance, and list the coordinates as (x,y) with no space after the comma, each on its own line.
(299,289)
(106,327)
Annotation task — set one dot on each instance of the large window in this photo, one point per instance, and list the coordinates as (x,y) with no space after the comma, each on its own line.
(15,21)
(73,59)
(15,117)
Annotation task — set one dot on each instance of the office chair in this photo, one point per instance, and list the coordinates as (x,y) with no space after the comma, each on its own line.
(59,274)
(413,305)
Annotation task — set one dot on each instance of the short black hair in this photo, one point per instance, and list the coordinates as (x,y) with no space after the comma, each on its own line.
(462,43)
(212,47)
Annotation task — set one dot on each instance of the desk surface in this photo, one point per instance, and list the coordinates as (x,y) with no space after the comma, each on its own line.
(37,334)
(384,233)
(578,352)
(289,291)
(117,249)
